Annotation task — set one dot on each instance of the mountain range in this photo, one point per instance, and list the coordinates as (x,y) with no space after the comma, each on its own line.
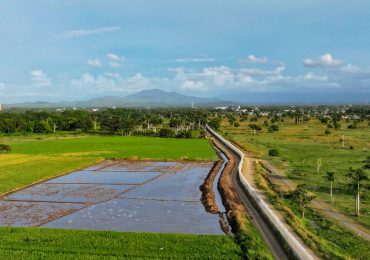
(144,98)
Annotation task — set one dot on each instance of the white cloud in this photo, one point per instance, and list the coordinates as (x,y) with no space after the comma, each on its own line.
(113,57)
(191,85)
(40,78)
(194,60)
(85,32)
(114,64)
(253,59)
(313,76)
(260,72)
(324,61)
(94,63)
(90,83)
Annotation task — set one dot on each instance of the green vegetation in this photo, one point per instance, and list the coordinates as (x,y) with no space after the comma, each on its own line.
(274,152)
(38,157)
(302,145)
(327,239)
(4,148)
(38,243)
(251,241)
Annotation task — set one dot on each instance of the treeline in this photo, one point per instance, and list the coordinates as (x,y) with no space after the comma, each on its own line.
(178,122)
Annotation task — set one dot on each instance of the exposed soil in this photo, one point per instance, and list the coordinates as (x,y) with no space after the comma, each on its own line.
(236,211)
(208,194)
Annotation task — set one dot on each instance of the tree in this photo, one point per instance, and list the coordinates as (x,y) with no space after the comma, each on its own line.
(42,127)
(274,152)
(367,163)
(273,128)
(301,196)
(166,132)
(4,148)
(357,176)
(215,123)
(330,176)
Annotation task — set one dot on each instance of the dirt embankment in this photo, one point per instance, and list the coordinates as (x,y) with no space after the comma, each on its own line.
(208,194)
(236,211)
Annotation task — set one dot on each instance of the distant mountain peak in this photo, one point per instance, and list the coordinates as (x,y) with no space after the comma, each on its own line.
(143,98)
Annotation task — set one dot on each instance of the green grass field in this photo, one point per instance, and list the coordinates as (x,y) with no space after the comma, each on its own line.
(300,148)
(35,158)
(38,157)
(36,243)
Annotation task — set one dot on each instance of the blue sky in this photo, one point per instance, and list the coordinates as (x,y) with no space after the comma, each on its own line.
(236,49)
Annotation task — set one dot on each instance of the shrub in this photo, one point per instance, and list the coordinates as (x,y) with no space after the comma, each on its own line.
(184,134)
(274,152)
(337,126)
(4,148)
(255,127)
(236,124)
(166,133)
(327,132)
(352,126)
(273,128)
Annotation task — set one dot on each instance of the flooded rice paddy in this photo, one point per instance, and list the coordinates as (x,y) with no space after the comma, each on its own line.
(145,196)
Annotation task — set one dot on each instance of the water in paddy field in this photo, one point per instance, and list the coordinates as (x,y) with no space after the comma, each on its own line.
(145,196)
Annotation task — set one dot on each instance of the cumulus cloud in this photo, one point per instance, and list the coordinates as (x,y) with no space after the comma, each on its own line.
(253,59)
(86,32)
(191,85)
(324,61)
(194,60)
(313,76)
(94,63)
(114,64)
(113,57)
(40,78)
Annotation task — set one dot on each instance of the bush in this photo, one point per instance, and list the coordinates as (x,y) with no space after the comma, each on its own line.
(255,127)
(352,126)
(274,152)
(166,133)
(4,148)
(184,134)
(337,126)
(327,132)
(273,128)
(236,124)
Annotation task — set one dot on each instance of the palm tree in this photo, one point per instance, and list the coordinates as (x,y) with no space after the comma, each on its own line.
(358,176)
(330,177)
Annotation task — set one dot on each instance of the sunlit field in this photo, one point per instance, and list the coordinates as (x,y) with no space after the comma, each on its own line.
(302,145)
(34,158)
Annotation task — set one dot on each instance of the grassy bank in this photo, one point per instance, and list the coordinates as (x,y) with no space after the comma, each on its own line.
(301,146)
(327,239)
(38,157)
(38,243)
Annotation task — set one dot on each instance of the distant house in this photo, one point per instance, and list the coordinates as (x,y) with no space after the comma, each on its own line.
(221,108)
